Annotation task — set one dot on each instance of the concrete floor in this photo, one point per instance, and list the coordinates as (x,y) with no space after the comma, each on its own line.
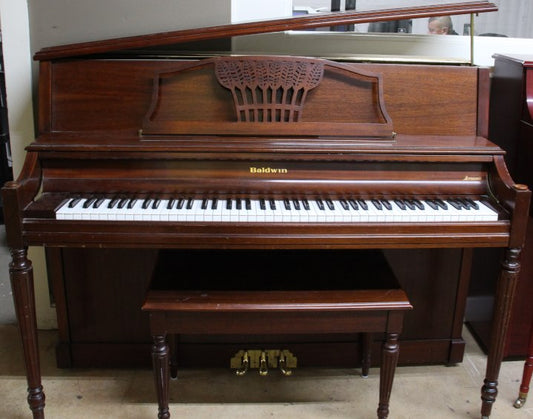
(419,392)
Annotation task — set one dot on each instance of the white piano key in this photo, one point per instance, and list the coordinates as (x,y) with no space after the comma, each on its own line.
(477,211)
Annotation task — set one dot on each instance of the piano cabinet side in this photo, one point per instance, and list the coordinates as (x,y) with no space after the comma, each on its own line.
(516,198)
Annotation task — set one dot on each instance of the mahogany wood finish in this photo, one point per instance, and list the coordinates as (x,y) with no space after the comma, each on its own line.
(511,127)
(106,328)
(91,112)
(274,25)
(511,124)
(274,304)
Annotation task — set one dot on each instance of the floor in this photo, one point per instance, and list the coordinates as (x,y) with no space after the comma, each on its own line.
(419,392)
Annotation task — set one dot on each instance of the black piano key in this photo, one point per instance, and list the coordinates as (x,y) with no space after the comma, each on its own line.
(464,203)
(190,203)
(238,203)
(171,203)
(409,204)
(228,203)
(146,203)
(441,203)
(472,203)
(272,203)
(88,202)
(353,204)
(455,204)
(248,204)
(113,203)
(469,203)
(377,204)
(306,205)
(131,203)
(296,204)
(73,202)
(386,204)
(262,204)
(287,204)
(330,204)
(98,202)
(417,203)
(156,203)
(181,202)
(214,204)
(320,204)
(400,203)
(344,204)
(123,202)
(205,203)
(363,204)
(432,204)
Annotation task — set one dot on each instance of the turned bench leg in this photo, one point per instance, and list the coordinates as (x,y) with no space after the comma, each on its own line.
(366,350)
(161,374)
(173,341)
(389,360)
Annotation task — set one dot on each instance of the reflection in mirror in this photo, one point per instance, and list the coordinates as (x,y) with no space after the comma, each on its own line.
(437,25)
(513,18)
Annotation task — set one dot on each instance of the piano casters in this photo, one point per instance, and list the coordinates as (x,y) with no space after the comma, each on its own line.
(526,376)
(21,274)
(502,312)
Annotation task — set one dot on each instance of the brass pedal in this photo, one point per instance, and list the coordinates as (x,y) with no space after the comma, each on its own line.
(263,360)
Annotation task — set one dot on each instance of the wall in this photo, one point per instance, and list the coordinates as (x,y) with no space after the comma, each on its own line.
(17,63)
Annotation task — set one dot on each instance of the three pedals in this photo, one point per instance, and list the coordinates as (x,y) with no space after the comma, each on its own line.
(264,361)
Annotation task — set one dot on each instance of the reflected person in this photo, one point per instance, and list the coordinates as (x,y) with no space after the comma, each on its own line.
(441,25)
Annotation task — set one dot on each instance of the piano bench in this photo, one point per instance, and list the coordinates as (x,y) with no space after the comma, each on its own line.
(175,311)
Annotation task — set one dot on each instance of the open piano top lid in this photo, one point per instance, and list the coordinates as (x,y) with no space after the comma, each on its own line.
(263,26)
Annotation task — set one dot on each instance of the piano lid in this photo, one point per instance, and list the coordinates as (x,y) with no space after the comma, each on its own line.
(258,27)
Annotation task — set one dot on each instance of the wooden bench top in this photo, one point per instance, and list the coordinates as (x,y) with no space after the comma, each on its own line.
(308,300)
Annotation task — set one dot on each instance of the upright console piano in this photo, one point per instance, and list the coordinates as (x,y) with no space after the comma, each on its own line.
(147,150)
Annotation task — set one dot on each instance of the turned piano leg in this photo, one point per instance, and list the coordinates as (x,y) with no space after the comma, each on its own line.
(526,376)
(502,314)
(21,274)
(161,368)
(389,360)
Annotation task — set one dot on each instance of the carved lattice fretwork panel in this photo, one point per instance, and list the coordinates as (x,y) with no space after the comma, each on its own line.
(268,90)
(264,96)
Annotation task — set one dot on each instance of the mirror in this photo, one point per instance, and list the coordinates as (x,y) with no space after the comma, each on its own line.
(513,18)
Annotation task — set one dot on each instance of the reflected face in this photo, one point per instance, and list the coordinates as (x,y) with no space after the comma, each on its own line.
(435,27)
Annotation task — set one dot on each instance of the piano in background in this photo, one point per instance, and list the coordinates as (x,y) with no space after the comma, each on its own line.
(148,129)
(511,127)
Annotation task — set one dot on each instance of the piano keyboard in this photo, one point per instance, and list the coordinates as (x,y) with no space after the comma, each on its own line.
(277,210)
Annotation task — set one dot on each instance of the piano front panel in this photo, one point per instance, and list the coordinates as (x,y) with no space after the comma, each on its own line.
(72,90)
